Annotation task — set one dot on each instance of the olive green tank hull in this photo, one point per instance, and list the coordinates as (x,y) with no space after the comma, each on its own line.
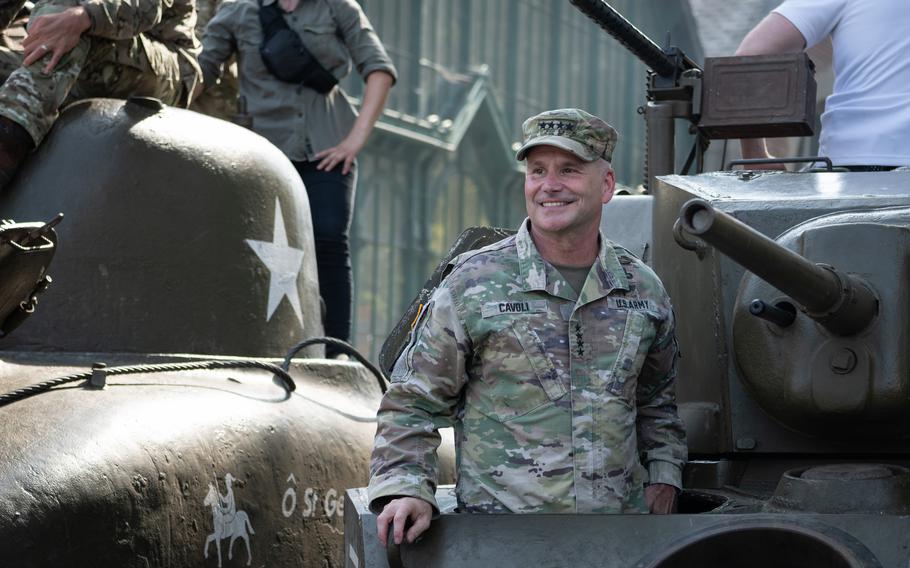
(126,475)
(182,234)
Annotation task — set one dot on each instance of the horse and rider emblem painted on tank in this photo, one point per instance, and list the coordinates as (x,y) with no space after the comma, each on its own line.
(228,522)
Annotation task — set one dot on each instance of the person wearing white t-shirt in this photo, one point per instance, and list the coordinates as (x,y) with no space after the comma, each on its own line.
(866,123)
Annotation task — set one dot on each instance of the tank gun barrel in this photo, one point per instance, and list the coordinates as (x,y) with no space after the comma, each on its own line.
(842,303)
(640,45)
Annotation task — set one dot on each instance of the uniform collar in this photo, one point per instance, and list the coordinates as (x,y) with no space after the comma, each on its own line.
(537,274)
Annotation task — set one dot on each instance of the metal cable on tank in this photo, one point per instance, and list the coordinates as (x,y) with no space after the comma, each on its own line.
(343,346)
(286,381)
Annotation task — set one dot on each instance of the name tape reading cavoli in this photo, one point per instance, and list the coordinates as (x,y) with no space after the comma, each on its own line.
(527,307)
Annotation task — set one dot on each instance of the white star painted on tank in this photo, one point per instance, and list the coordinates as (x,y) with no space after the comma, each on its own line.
(284,263)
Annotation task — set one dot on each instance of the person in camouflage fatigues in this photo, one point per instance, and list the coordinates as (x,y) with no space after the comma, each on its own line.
(553,355)
(77,49)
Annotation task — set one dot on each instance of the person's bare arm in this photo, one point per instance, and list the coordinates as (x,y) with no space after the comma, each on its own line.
(660,498)
(378,85)
(398,512)
(774,34)
(56,34)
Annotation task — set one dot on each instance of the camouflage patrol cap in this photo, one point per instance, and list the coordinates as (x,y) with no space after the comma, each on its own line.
(571,129)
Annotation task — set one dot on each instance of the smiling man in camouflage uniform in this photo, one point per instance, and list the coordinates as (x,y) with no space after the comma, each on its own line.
(91,48)
(552,353)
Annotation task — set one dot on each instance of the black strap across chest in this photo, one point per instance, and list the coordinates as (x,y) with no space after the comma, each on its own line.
(286,56)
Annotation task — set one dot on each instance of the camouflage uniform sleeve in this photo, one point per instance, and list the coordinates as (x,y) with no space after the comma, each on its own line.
(364,44)
(219,42)
(426,387)
(661,437)
(123,19)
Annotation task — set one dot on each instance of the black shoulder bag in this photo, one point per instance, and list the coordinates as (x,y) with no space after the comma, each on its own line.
(285,55)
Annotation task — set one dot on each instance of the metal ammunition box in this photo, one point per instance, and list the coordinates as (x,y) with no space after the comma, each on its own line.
(758,96)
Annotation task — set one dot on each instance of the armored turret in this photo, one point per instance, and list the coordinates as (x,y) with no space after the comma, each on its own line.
(171,216)
(824,361)
(146,418)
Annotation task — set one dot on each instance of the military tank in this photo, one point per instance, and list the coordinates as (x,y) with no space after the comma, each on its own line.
(151,413)
(789,299)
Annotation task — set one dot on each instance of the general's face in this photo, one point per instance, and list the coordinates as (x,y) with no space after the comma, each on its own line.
(563,193)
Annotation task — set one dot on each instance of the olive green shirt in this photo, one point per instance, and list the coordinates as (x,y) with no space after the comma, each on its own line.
(296,119)
(574,275)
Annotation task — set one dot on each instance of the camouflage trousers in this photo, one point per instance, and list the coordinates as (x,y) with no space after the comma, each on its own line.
(96,67)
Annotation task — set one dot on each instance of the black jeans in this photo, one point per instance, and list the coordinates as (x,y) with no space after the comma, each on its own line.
(331,197)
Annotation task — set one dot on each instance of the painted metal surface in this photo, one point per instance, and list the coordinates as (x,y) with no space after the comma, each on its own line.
(842,303)
(705,287)
(184,234)
(164,469)
(758,96)
(849,387)
(747,539)
(170,216)
(626,220)
(26,251)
